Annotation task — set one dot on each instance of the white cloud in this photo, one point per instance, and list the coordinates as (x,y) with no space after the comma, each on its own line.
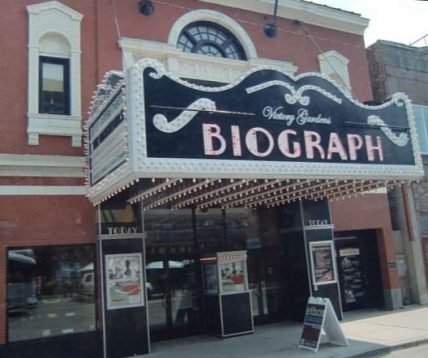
(403,21)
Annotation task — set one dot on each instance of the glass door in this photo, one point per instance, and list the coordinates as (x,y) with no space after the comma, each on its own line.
(172,298)
(264,276)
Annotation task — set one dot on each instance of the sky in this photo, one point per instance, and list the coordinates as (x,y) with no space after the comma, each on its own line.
(403,21)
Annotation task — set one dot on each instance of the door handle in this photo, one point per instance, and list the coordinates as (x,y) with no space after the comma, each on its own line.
(166,296)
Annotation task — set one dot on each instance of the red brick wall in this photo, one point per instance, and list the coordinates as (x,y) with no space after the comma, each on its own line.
(370,212)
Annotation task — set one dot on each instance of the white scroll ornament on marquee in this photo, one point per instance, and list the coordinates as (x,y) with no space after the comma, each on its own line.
(161,122)
(400,140)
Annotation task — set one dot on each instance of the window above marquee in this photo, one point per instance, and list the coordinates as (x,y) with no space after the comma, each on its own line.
(210,39)
(54,88)
(421,119)
(335,66)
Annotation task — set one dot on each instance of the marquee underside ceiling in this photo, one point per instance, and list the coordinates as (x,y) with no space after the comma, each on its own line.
(227,193)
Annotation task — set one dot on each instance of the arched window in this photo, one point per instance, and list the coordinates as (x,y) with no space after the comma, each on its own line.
(54,74)
(210,39)
(54,96)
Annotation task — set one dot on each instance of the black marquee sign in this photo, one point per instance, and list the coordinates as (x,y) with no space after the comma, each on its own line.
(270,119)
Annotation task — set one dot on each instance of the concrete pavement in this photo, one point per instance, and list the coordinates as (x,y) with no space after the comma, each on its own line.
(369,333)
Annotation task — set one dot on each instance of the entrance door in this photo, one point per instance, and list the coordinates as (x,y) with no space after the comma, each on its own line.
(264,279)
(172,298)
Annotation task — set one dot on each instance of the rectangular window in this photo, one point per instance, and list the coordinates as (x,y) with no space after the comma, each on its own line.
(421,118)
(54,86)
(50,291)
(424,223)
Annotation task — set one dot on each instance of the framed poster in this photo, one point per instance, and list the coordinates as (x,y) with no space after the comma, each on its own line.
(322,262)
(351,275)
(124,280)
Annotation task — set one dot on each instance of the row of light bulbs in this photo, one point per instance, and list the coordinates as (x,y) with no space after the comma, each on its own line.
(226,193)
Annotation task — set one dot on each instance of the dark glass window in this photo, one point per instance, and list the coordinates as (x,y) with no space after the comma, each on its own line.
(421,119)
(243,229)
(54,94)
(165,227)
(210,39)
(424,223)
(210,230)
(50,291)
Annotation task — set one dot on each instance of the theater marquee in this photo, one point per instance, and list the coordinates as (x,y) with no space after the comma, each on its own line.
(265,125)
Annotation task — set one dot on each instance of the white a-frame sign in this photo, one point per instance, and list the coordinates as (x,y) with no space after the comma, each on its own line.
(320,317)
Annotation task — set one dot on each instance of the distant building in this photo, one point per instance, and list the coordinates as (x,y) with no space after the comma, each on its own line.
(396,67)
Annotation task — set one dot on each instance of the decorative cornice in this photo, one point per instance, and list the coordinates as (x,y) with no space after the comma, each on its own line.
(304,11)
(50,5)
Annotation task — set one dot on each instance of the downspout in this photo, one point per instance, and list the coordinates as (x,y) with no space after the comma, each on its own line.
(410,231)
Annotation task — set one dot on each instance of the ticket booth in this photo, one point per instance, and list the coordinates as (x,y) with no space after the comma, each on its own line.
(226,294)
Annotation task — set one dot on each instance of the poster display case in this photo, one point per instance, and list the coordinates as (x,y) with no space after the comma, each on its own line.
(322,262)
(226,294)
(352,276)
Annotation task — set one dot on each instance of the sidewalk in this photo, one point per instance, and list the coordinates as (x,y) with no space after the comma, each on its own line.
(368,332)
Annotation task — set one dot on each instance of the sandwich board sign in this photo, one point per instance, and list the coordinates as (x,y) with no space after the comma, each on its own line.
(320,317)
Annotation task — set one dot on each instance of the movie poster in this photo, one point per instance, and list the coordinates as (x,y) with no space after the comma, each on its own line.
(232,276)
(124,280)
(322,262)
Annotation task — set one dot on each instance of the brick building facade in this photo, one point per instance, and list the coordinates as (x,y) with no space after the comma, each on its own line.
(66,47)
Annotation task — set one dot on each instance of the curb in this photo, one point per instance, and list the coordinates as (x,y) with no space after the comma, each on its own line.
(390,349)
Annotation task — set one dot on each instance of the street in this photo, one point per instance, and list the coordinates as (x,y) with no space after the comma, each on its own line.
(52,317)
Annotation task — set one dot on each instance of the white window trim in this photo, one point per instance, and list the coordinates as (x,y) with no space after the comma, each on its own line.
(197,66)
(45,18)
(327,67)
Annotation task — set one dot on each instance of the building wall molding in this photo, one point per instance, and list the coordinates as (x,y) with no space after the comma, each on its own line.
(41,165)
(41,190)
(305,11)
(50,124)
